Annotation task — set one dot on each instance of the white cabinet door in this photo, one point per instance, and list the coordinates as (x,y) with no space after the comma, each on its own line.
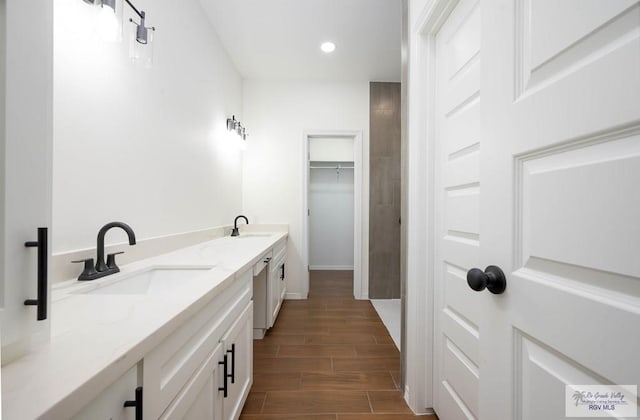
(283,282)
(261,292)
(110,404)
(238,345)
(200,398)
(25,168)
(560,177)
(277,289)
(273,296)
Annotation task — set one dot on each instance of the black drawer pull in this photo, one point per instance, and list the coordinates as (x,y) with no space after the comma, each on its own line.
(41,301)
(233,363)
(225,375)
(137,403)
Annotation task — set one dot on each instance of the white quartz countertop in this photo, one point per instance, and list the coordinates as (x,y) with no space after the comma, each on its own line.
(96,338)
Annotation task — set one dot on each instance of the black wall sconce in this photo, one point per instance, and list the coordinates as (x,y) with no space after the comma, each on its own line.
(142,32)
(112,10)
(234,125)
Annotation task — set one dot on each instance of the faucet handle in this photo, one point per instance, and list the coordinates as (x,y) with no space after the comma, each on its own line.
(89,271)
(111,260)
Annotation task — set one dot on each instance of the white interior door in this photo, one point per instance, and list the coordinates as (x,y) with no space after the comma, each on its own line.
(26,189)
(560,174)
(457,196)
(547,127)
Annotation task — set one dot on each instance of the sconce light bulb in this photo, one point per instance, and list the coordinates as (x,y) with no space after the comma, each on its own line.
(141,34)
(109,3)
(109,25)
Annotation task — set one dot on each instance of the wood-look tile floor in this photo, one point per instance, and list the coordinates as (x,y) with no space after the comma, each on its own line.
(327,358)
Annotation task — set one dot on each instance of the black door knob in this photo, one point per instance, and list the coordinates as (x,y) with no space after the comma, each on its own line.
(491,278)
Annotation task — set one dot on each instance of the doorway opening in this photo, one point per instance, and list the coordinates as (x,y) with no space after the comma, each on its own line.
(332,219)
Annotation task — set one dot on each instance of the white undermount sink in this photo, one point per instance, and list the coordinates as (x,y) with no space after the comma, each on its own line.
(155,280)
(253,235)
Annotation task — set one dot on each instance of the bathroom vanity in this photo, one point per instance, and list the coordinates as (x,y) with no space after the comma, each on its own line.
(168,337)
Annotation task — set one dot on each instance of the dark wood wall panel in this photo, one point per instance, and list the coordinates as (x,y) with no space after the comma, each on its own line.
(384,190)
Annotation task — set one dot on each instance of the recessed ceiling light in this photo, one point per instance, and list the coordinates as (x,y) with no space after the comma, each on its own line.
(328,46)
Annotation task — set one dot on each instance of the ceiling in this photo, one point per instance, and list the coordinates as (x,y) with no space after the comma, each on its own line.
(280,39)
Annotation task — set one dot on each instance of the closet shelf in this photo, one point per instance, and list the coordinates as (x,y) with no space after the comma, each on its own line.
(327,164)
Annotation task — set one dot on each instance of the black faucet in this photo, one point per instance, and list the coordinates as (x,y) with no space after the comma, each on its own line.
(101,268)
(235,231)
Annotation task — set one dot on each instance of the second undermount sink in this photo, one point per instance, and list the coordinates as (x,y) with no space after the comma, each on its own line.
(253,235)
(156,280)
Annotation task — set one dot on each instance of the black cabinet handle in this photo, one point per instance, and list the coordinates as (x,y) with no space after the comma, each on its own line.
(266,260)
(225,375)
(282,273)
(233,363)
(137,403)
(41,301)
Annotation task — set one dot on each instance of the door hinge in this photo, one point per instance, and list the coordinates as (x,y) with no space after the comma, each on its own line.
(308,212)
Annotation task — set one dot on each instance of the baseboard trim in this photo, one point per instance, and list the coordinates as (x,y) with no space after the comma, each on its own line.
(294,296)
(407,397)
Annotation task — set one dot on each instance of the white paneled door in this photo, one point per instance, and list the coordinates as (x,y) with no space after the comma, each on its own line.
(457,148)
(538,173)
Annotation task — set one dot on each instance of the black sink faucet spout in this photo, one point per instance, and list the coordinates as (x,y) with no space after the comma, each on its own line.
(100,263)
(235,231)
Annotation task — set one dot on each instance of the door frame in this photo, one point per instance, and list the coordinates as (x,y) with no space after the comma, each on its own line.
(360,279)
(419,383)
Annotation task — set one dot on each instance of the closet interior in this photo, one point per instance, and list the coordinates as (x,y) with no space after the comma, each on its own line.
(331,203)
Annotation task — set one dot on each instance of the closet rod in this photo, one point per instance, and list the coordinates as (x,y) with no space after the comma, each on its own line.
(331,167)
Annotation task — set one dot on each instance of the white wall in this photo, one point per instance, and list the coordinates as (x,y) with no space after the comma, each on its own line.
(331,149)
(331,220)
(276,116)
(144,146)
(3,40)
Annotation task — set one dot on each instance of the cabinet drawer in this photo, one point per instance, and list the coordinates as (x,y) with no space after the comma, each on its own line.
(262,263)
(170,365)
(200,398)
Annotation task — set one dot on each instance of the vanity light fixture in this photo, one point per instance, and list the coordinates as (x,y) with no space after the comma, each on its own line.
(142,32)
(111,27)
(234,126)
(109,19)
(232,123)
